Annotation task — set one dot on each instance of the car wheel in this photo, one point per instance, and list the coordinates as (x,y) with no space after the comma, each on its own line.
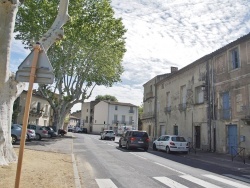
(154,147)
(168,150)
(145,149)
(120,145)
(50,135)
(127,146)
(113,139)
(38,137)
(13,139)
(28,138)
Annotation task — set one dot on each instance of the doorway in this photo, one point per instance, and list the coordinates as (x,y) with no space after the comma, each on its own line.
(232,139)
(197,135)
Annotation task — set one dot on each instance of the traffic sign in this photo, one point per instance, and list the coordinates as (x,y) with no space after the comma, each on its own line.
(44,69)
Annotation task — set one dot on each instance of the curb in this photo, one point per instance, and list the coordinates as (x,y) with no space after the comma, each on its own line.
(76,174)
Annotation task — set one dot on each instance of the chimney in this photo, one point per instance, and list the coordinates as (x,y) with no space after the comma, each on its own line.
(174,69)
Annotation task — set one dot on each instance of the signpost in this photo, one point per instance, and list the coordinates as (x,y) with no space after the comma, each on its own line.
(36,68)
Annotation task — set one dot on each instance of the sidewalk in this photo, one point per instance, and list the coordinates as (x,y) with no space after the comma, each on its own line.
(219,159)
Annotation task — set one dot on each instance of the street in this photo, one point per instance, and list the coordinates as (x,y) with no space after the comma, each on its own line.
(101,163)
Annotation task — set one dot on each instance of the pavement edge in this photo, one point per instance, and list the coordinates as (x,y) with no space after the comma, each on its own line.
(76,174)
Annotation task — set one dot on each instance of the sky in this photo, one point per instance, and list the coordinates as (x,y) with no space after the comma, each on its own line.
(165,33)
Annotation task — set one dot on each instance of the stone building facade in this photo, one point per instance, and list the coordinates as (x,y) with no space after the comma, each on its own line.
(208,101)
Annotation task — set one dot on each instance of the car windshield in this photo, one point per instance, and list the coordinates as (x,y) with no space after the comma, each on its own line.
(178,139)
(140,134)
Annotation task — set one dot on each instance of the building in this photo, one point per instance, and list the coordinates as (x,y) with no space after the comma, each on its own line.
(39,113)
(208,101)
(100,115)
(149,115)
(87,115)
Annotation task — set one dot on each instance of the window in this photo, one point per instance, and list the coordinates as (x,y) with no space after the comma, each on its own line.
(130,120)
(46,111)
(123,119)
(37,121)
(149,130)
(115,118)
(151,88)
(162,86)
(199,95)
(116,107)
(87,110)
(168,99)
(226,108)
(234,58)
(87,119)
(175,130)
(183,94)
(38,108)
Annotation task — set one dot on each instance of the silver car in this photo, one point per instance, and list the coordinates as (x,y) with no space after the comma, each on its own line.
(40,131)
(16,132)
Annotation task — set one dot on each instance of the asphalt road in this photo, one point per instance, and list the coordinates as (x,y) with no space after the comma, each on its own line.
(103,164)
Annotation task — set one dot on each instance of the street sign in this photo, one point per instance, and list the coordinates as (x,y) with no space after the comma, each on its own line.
(44,70)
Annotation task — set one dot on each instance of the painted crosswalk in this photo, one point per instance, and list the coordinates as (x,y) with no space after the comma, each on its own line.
(204,180)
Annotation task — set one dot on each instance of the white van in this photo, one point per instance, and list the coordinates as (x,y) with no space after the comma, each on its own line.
(108,134)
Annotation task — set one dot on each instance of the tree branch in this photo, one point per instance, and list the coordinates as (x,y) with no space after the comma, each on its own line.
(56,32)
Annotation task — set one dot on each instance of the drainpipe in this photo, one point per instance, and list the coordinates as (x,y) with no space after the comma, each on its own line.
(209,106)
(155,111)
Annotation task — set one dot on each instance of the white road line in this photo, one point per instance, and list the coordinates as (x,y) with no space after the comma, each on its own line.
(237,178)
(170,183)
(199,181)
(226,181)
(105,183)
(111,145)
(137,155)
(170,168)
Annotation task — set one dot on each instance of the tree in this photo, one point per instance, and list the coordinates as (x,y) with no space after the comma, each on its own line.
(140,112)
(10,89)
(91,54)
(105,97)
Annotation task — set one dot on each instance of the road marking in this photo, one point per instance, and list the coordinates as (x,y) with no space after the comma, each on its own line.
(237,178)
(226,181)
(105,183)
(111,144)
(137,155)
(170,168)
(199,181)
(170,183)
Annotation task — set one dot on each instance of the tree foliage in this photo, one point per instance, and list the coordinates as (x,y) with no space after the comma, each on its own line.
(106,97)
(90,55)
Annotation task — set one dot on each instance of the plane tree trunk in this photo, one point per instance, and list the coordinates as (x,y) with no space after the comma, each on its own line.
(9,88)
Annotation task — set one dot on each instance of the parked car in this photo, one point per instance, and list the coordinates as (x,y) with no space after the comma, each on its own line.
(171,143)
(40,131)
(134,139)
(82,130)
(61,132)
(70,129)
(108,134)
(31,134)
(51,131)
(16,132)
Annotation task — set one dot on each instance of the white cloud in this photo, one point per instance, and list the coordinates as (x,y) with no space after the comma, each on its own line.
(165,33)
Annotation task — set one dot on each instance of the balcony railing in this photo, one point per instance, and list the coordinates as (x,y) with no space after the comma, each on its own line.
(225,114)
(148,115)
(182,106)
(149,95)
(167,109)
